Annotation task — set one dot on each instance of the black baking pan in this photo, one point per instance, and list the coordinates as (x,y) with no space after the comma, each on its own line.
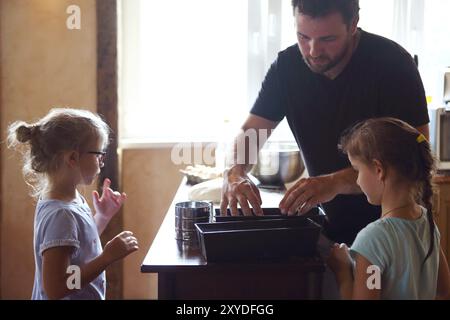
(258,239)
(316,214)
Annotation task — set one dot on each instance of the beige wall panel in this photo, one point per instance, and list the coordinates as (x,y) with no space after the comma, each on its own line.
(150,180)
(43,65)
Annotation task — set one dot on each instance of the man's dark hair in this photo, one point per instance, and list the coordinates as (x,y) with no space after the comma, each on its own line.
(349,9)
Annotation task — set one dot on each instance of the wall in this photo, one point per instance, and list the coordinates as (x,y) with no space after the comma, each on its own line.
(43,65)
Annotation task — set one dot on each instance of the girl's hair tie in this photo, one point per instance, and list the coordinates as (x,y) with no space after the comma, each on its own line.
(421,138)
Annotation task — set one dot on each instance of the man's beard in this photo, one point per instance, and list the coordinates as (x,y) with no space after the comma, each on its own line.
(330,65)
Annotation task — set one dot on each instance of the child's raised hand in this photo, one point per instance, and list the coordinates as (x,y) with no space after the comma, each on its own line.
(340,259)
(120,246)
(110,202)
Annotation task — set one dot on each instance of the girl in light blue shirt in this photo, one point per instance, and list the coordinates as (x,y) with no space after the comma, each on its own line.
(397,256)
(62,151)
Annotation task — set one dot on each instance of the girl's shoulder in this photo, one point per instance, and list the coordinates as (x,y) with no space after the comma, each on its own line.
(376,226)
(373,243)
(79,201)
(383,230)
(55,204)
(376,230)
(49,207)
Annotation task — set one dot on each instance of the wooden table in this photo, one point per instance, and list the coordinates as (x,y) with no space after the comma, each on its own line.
(441,208)
(183,273)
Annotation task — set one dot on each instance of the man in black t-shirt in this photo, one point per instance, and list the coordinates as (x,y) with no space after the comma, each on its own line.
(335,76)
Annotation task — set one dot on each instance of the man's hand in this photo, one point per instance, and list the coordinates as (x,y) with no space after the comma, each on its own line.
(307,193)
(238,188)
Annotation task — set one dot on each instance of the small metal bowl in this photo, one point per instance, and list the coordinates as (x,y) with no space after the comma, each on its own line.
(278,163)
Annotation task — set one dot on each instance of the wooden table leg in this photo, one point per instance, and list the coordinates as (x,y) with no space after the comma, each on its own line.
(166,286)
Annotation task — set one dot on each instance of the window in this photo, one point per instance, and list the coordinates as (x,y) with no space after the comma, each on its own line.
(422,28)
(191,70)
(435,48)
(184,73)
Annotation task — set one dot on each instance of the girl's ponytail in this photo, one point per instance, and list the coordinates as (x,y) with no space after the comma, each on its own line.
(427,189)
(20,132)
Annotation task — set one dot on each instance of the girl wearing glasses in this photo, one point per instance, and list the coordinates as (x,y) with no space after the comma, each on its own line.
(62,151)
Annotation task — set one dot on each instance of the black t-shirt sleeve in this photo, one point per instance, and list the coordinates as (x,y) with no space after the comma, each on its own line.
(271,102)
(402,92)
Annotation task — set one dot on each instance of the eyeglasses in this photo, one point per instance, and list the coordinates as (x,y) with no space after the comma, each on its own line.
(100,155)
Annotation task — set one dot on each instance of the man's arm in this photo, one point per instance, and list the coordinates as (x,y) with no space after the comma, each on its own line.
(254,133)
(309,192)
(237,187)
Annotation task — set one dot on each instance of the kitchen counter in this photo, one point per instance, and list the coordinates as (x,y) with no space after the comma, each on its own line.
(441,208)
(183,273)
(441,179)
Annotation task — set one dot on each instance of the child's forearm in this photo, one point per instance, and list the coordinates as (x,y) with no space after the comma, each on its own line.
(101,222)
(93,269)
(345,284)
(88,273)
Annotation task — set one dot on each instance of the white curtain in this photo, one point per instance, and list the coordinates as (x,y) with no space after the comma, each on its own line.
(188,67)
(422,28)
(408,24)
(191,70)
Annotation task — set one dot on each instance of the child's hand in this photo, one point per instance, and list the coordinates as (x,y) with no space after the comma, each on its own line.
(340,260)
(120,246)
(110,202)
